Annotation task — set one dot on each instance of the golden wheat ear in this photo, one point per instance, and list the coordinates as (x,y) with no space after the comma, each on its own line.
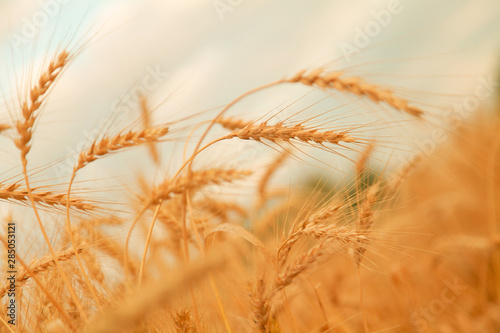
(46,198)
(195,181)
(183,320)
(37,95)
(39,266)
(355,85)
(108,145)
(280,132)
(261,305)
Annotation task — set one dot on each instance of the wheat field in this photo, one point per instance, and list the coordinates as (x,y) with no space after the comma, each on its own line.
(316,215)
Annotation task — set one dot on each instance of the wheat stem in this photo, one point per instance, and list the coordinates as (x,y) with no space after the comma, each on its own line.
(148,240)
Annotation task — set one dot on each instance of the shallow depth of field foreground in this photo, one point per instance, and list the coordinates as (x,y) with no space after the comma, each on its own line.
(335,197)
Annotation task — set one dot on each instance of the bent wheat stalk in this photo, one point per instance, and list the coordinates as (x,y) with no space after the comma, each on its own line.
(24,127)
(271,169)
(103,147)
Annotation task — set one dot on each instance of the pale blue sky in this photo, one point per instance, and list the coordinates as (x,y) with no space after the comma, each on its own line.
(437,46)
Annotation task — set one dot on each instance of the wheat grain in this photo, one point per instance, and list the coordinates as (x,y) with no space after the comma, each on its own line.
(362,161)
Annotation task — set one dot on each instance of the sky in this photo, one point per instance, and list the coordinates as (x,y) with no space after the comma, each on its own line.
(192,57)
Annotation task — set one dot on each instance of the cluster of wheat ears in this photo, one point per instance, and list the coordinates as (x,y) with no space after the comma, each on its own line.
(272,263)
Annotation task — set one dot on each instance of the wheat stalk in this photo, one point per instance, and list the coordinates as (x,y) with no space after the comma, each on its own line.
(271,169)
(361,164)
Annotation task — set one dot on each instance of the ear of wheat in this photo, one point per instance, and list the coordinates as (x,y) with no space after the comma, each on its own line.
(37,94)
(355,85)
(13,192)
(108,145)
(39,266)
(280,132)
